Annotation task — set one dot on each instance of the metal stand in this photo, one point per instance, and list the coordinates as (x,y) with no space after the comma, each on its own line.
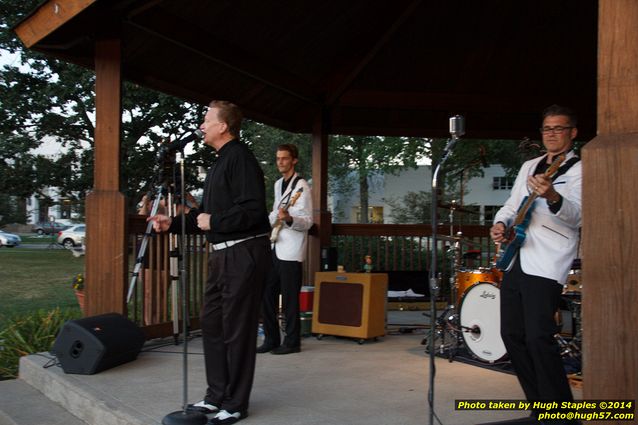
(184,417)
(456,130)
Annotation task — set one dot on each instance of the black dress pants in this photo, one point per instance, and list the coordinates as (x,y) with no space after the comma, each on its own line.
(229,320)
(528,306)
(284,279)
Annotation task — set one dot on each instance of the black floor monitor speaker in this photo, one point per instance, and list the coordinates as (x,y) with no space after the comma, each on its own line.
(93,344)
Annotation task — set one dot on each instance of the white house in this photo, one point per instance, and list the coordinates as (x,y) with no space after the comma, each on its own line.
(483,195)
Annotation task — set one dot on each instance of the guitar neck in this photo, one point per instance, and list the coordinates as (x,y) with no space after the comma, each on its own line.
(523,210)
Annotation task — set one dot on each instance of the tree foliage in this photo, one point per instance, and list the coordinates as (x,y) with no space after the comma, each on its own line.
(353,160)
(44,100)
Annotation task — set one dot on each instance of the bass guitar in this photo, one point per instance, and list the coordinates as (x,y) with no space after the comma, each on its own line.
(279,224)
(515,234)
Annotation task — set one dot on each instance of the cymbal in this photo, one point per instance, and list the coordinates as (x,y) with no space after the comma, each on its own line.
(457,208)
(456,239)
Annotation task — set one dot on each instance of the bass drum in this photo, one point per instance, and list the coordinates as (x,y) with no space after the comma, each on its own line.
(480,316)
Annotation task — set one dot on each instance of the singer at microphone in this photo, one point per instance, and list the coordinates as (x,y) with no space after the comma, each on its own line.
(234,220)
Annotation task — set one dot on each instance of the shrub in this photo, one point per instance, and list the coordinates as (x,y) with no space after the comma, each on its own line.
(27,334)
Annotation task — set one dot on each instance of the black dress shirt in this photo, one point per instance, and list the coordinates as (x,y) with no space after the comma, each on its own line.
(234,196)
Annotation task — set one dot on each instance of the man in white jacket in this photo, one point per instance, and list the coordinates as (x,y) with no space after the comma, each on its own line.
(291,217)
(532,285)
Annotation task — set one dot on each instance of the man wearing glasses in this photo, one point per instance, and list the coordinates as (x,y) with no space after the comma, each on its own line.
(532,284)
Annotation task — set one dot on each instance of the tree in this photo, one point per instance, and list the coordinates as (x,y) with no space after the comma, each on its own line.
(355,159)
(46,100)
(264,140)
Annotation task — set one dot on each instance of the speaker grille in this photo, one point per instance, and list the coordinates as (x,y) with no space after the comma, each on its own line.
(341,304)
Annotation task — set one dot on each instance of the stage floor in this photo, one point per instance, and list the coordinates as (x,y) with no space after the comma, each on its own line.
(332,381)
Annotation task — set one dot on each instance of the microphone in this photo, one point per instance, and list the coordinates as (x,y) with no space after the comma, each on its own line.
(457,126)
(474,330)
(181,143)
(457,129)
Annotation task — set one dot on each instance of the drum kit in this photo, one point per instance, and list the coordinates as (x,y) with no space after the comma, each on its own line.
(472,317)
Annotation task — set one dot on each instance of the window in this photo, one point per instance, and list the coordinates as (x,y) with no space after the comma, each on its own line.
(502,183)
(375,215)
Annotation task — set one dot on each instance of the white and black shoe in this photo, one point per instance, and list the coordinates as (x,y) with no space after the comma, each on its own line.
(224,417)
(202,407)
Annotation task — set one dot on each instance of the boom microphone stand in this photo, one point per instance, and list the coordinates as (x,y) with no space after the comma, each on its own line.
(457,129)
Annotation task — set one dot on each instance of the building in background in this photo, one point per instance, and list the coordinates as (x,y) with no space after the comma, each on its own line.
(482,195)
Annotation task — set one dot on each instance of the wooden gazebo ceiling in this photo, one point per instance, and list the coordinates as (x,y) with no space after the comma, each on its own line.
(373,67)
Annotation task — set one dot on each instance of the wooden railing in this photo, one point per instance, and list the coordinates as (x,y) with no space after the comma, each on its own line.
(392,247)
(156,304)
(403,246)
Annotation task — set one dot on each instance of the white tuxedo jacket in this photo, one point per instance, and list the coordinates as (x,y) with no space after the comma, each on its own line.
(551,241)
(291,241)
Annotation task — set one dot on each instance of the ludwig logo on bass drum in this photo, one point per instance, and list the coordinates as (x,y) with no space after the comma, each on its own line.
(486,294)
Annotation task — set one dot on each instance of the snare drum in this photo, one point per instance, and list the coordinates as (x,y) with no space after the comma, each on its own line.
(480,317)
(465,279)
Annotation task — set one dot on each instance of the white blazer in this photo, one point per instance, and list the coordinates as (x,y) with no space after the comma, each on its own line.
(291,241)
(551,241)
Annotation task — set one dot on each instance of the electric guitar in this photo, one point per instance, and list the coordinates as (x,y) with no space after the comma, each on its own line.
(279,224)
(515,234)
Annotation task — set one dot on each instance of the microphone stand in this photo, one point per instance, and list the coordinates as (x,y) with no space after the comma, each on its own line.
(434,279)
(184,417)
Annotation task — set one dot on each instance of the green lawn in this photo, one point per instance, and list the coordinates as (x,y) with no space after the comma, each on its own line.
(34,279)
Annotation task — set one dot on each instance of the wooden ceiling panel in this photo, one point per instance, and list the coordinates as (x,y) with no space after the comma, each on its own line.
(377,67)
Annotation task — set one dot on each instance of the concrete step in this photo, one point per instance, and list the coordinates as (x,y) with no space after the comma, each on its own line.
(21,404)
(79,396)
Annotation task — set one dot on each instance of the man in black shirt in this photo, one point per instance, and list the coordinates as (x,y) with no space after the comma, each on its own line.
(234,217)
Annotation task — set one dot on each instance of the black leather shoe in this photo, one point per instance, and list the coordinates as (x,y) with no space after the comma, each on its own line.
(264,348)
(286,350)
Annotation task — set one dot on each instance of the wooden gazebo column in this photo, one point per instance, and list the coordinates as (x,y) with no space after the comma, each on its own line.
(321,216)
(610,214)
(106,255)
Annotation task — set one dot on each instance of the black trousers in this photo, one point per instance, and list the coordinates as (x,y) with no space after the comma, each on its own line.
(284,279)
(528,306)
(229,320)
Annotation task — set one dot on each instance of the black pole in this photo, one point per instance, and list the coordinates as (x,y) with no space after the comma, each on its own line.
(457,128)
(184,417)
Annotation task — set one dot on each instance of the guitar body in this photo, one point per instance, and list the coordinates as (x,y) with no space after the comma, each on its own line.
(516,240)
(274,234)
(275,231)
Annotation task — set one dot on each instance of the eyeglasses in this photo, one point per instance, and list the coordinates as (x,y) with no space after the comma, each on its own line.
(554,130)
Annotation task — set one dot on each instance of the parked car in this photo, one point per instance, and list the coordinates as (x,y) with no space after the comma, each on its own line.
(48,227)
(72,236)
(9,239)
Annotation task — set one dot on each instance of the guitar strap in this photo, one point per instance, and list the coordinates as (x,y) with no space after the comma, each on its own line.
(286,198)
(565,167)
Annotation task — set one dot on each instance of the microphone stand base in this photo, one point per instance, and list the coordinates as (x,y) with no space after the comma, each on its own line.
(185,418)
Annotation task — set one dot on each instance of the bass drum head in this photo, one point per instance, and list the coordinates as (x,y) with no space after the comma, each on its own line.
(480,316)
